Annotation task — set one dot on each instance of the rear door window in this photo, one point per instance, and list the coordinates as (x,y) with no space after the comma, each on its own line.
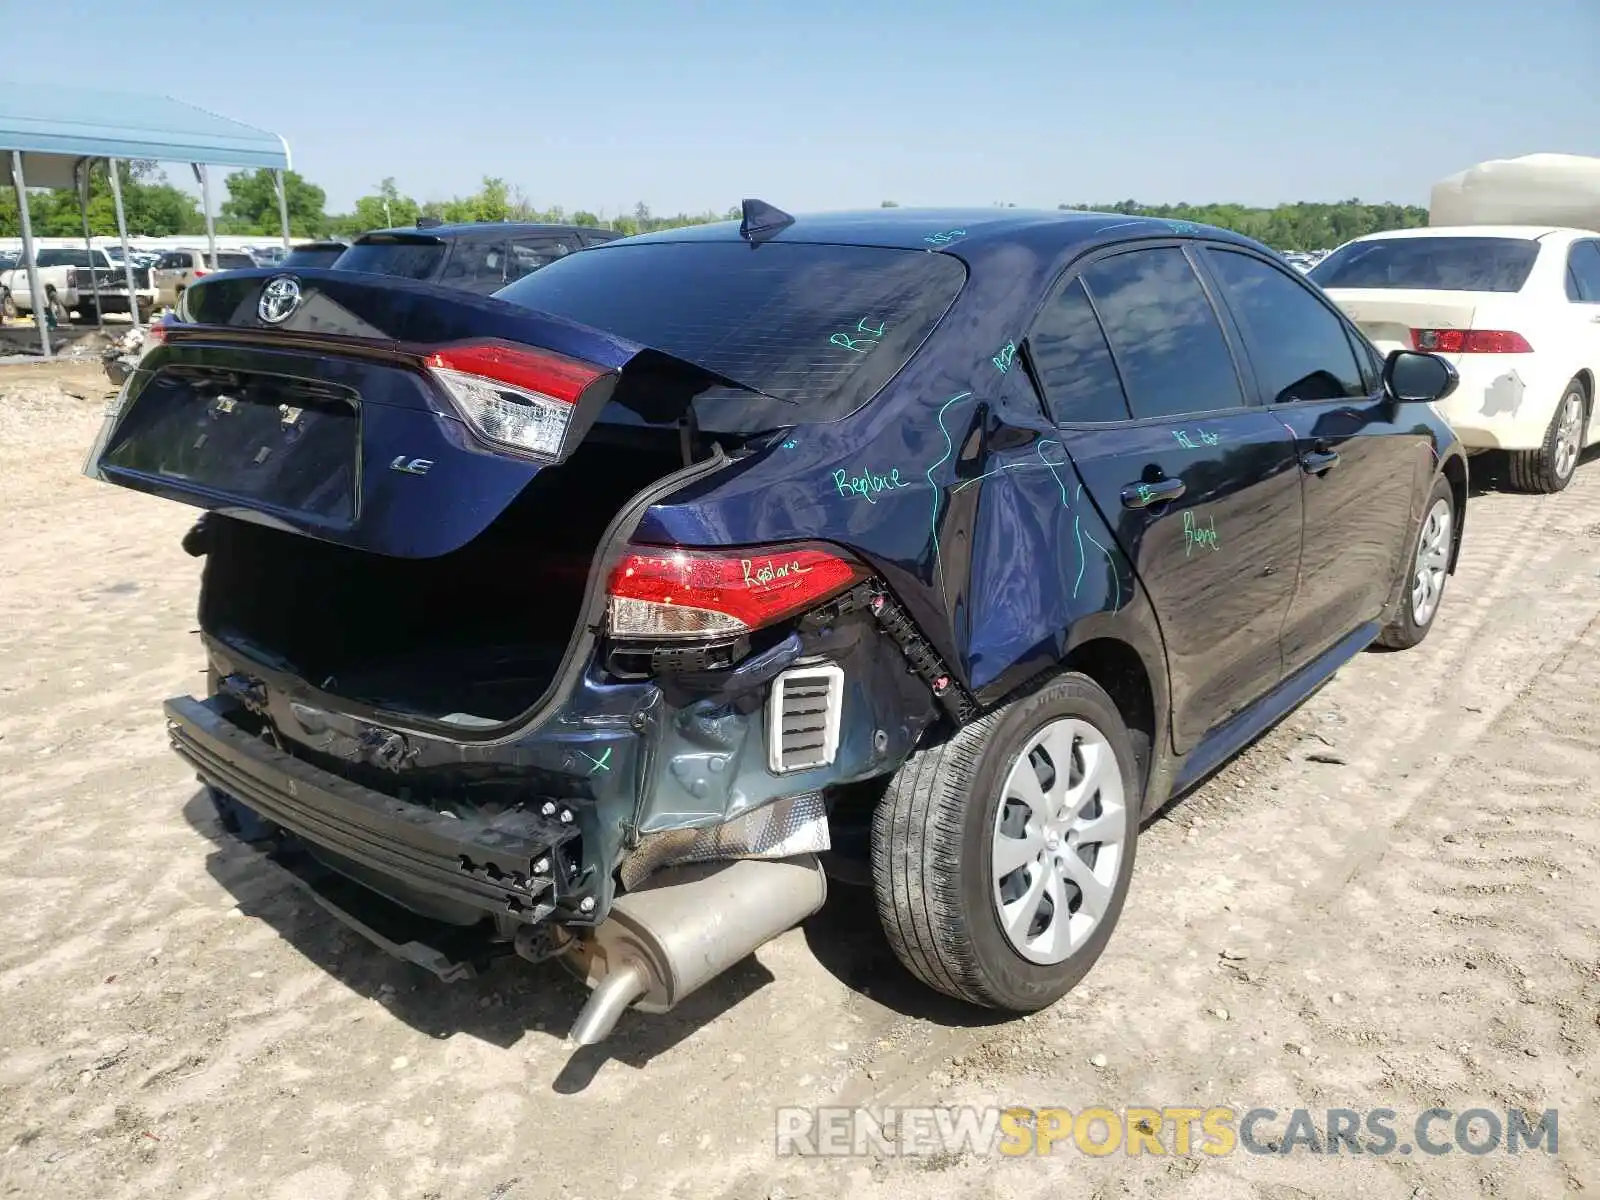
(1299,349)
(1075,367)
(1164,334)
(818,328)
(528,254)
(177,260)
(476,265)
(1583,272)
(62,258)
(1447,264)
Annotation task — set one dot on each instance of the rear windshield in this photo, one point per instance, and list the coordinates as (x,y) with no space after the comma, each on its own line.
(312,256)
(819,327)
(409,258)
(1448,264)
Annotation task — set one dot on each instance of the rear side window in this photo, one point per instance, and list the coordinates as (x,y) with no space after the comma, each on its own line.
(1069,351)
(1299,349)
(408,258)
(819,328)
(235,262)
(1446,264)
(178,260)
(1164,333)
(1583,272)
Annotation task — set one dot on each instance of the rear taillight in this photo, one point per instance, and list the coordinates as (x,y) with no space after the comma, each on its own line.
(512,395)
(1470,341)
(672,593)
(199,271)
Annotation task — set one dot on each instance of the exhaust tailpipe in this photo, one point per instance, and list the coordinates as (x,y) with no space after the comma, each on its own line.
(684,927)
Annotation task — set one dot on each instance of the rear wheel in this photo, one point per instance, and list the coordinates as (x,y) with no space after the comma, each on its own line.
(1549,468)
(1001,857)
(1429,568)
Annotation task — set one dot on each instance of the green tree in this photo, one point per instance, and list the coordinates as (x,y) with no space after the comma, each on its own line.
(252,204)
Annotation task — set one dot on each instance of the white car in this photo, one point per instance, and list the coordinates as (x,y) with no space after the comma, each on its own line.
(1514,308)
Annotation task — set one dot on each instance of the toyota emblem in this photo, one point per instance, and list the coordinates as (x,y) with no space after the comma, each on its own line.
(279,299)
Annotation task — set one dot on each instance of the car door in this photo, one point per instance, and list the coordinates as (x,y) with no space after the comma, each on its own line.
(1363,460)
(1583,296)
(1201,489)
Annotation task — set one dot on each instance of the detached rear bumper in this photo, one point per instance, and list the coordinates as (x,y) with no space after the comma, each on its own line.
(502,865)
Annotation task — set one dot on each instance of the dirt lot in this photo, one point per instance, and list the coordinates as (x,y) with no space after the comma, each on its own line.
(1408,919)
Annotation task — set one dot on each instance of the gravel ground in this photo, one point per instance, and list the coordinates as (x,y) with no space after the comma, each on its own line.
(1389,901)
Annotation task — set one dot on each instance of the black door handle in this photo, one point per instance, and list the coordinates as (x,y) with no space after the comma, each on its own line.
(1143,495)
(1316,462)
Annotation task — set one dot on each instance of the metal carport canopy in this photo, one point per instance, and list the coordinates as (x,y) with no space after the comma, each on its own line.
(47,131)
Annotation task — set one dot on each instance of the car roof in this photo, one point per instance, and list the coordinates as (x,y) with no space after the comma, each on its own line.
(468,228)
(932,228)
(1523,232)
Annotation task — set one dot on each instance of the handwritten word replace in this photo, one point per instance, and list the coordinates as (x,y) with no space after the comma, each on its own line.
(769,572)
(1194,535)
(945,238)
(868,484)
(1002,361)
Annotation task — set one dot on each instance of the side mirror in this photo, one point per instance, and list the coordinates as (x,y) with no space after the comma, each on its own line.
(1411,377)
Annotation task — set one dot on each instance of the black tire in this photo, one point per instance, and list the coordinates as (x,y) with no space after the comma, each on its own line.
(1538,470)
(932,846)
(1405,631)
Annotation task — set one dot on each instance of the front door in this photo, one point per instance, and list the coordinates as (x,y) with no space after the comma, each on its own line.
(1201,489)
(1363,469)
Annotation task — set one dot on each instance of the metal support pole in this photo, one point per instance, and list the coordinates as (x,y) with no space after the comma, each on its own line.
(82,169)
(122,232)
(205,201)
(283,207)
(36,296)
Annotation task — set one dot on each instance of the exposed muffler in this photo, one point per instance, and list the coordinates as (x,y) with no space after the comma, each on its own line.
(685,926)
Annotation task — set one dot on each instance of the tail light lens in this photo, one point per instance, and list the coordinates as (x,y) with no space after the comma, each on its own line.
(672,593)
(512,395)
(1470,341)
(199,271)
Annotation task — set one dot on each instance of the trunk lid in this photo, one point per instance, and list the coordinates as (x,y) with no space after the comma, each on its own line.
(1388,315)
(318,407)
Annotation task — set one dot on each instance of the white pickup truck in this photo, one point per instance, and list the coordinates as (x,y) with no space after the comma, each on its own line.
(65,276)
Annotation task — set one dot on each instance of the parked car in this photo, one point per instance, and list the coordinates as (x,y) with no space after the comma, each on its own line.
(575,620)
(481,258)
(314,254)
(175,270)
(68,277)
(1515,309)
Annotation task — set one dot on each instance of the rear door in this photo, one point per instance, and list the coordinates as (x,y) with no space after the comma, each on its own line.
(1200,486)
(1363,460)
(1583,300)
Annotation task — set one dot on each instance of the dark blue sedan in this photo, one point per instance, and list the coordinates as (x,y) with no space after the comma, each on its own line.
(587,619)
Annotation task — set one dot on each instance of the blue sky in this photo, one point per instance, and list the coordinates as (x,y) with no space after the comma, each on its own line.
(824,105)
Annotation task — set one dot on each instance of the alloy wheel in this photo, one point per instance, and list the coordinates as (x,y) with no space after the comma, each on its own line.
(1433,560)
(1058,840)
